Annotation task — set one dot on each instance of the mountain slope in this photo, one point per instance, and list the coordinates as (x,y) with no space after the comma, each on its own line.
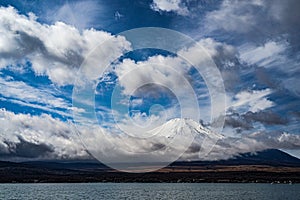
(271,157)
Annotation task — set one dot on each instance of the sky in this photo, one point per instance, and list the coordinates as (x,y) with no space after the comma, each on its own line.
(72,82)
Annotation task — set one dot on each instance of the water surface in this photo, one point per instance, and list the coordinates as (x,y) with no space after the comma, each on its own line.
(139,191)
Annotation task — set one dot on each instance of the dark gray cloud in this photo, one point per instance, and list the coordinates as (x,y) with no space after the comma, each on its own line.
(263,77)
(157,146)
(257,20)
(194,148)
(265,117)
(34,137)
(245,121)
(26,149)
(288,15)
(236,121)
(278,140)
(296,113)
(231,146)
(30,44)
(26,45)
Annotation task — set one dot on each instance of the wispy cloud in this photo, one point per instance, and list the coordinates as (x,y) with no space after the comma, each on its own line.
(270,54)
(254,100)
(81,14)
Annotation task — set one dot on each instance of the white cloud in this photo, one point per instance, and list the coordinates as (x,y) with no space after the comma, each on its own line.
(217,49)
(170,70)
(176,6)
(173,73)
(167,71)
(253,101)
(54,50)
(264,56)
(39,130)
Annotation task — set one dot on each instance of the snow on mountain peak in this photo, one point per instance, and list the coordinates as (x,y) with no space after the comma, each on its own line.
(184,127)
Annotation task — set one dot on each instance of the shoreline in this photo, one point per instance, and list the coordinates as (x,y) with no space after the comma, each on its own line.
(157,177)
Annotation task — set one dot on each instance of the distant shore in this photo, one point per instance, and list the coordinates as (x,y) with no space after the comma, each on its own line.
(213,174)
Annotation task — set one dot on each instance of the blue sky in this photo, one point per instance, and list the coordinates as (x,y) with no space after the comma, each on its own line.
(254,44)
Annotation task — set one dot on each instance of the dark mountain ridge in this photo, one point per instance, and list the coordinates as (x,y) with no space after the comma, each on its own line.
(271,157)
(266,166)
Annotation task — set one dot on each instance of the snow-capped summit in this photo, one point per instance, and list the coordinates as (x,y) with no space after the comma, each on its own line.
(185,127)
(182,134)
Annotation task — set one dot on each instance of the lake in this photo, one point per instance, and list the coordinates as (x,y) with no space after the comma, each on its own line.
(150,191)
